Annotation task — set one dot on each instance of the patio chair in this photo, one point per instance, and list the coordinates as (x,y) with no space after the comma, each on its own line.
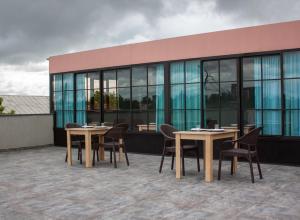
(77,141)
(113,136)
(169,147)
(249,142)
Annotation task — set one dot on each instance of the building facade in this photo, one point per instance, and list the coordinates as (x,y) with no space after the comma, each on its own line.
(242,78)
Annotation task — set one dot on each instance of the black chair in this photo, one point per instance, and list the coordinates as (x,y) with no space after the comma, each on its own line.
(113,136)
(247,149)
(169,147)
(78,141)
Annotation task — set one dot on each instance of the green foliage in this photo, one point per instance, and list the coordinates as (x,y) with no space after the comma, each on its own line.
(2,108)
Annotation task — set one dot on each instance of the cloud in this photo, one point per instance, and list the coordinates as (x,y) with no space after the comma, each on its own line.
(31,30)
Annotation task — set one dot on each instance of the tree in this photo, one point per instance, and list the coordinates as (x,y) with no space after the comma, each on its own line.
(2,108)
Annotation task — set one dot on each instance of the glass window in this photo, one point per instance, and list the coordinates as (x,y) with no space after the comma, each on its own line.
(80,81)
(177,99)
(94,100)
(156,74)
(192,71)
(139,98)
(57,82)
(228,70)
(68,81)
(110,99)
(291,64)
(177,72)
(109,79)
(124,98)
(211,91)
(93,81)
(229,94)
(193,96)
(139,76)
(262,95)
(210,71)
(123,78)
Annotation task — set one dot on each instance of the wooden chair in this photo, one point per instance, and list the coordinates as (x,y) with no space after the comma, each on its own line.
(247,149)
(169,147)
(77,141)
(113,136)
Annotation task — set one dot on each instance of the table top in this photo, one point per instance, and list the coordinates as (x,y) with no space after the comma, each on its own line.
(227,131)
(96,128)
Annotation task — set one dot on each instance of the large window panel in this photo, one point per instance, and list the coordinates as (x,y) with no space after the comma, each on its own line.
(178,96)
(68,81)
(109,79)
(156,74)
(124,98)
(291,65)
(192,69)
(110,99)
(139,76)
(93,81)
(193,96)
(271,94)
(211,91)
(94,99)
(123,78)
(210,71)
(228,70)
(177,72)
(139,98)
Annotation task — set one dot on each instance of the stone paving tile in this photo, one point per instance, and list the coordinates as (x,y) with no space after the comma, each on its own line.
(38,184)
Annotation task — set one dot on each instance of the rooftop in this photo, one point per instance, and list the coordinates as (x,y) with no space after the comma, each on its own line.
(38,184)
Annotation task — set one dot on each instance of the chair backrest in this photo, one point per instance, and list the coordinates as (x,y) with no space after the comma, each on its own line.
(167,131)
(116,133)
(251,138)
(72,125)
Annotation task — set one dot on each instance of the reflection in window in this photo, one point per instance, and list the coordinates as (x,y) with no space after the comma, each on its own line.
(93,81)
(123,78)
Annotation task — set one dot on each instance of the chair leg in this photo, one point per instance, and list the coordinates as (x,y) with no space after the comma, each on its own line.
(258,166)
(220,166)
(231,169)
(162,160)
(66,159)
(183,168)
(110,155)
(172,164)
(126,156)
(94,150)
(198,162)
(251,168)
(115,160)
(80,155)
(97,152)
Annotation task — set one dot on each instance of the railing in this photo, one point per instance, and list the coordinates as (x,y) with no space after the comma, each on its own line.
(22,131)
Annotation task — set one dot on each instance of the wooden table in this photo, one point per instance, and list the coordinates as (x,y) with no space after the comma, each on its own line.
(87,132)
(207,137)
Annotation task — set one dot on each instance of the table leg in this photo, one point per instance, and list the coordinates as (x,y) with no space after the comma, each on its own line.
(121,153)
(178,157)
(88,162)
(69,148)
(101,152)
(209,177)
(235,159)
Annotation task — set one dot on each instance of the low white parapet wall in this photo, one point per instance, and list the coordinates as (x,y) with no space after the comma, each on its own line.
(21,131)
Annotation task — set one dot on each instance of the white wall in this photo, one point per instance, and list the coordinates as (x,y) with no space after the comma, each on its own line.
(19,131)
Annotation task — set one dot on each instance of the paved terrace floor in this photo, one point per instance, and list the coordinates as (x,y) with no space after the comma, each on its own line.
(38,184)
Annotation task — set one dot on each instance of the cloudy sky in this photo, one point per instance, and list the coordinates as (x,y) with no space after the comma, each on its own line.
(33,30)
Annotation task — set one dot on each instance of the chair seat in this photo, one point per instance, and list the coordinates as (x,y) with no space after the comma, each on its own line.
(237,151)
(185,148)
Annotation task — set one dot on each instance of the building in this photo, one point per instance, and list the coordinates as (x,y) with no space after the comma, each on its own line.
(24,105)
(235,78)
